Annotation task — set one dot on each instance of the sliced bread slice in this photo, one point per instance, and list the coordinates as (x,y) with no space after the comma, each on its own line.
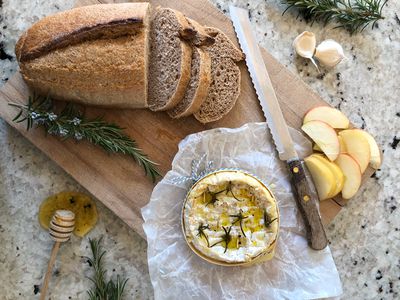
(225,85)
(201,37)
(170,59)
(223,92)
(197,89)
(223,46)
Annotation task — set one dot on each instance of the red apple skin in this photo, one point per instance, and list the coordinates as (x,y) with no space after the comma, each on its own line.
(344,124)
(361,157)
(347,192)
(334,150)
(375,161)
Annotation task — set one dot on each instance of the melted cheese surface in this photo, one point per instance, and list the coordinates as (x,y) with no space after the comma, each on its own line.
(230,216)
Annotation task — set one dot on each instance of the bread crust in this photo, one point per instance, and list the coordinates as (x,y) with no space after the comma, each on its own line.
(185,30)
(202,86)
(95,71)
(183,80)
(201,38)
(198,40)
(117,98)
(202,118)
(80,24)
(222,52)
(235,53)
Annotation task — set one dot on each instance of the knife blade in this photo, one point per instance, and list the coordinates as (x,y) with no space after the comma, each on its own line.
(303,187)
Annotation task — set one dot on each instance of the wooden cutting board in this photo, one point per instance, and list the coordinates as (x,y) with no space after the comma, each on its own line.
(118,181)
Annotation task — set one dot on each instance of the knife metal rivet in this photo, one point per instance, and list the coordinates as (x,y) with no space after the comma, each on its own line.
(306,198)
(295,170)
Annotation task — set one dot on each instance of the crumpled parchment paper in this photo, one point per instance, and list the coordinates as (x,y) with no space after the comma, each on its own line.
(295,272)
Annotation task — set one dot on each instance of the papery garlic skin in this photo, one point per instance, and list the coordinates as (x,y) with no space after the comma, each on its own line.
(304,44)
(329,53)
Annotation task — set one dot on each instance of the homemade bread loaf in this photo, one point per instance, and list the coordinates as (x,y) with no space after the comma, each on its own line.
(225,85)
(170,59)
(118,55)
(197,89)
(96,55)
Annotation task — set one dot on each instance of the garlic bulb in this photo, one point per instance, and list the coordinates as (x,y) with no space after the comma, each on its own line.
(304,45)
(329,53)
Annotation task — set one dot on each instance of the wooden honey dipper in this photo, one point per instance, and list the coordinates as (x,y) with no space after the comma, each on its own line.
(61,227)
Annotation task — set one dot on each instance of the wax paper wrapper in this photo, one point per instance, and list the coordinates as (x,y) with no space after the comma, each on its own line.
(295,272)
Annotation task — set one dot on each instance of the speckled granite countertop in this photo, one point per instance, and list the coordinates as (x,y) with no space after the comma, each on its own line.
(365,236)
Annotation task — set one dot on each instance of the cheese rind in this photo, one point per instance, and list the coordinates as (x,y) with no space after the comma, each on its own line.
(231,202)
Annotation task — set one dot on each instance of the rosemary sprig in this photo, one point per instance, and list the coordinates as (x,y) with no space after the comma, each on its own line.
(201,232)
(71,123)
(229,189)
(213,195)
(103,290)
(353,15)
(239,218)
(267,219)
(226,238)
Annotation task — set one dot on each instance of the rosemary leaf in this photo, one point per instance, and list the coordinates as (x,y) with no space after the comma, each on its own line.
(103,290)
(267,219)
(352,15)
(239,219)
(226,238)
(71,123)
(213,195)
(201,232)
(229,189)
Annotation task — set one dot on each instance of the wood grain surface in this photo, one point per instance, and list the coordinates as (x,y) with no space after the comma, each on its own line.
(118,181)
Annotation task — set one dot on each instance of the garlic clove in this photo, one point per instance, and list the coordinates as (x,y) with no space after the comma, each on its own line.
(304,44)
(329,53)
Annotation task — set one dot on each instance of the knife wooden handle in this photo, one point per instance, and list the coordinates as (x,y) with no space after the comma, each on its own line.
(307,198)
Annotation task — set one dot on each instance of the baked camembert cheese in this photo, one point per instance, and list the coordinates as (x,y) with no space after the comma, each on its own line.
(231,218)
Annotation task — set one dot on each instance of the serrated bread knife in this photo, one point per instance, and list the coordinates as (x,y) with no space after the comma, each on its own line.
(303,188)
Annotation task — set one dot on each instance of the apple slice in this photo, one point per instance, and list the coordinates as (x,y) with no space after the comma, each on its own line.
(316,148)
(352,174)
(322,176)
(336,171)
(335,118)
(342,145)
(324,136)
(357,146)
(375,159)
